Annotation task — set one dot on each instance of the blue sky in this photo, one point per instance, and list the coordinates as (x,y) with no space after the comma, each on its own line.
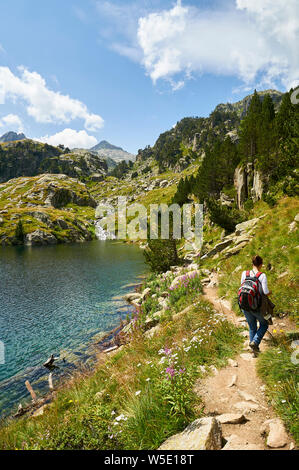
(80,71)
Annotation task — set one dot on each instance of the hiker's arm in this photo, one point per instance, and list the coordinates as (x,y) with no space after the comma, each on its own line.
(264,282)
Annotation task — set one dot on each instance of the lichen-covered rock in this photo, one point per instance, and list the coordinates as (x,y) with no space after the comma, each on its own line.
(202,434)
(246,226)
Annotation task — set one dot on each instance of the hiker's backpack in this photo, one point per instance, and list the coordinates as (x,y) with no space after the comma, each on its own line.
(249,295)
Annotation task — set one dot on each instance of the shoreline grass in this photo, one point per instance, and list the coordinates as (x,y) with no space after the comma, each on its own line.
(137,397)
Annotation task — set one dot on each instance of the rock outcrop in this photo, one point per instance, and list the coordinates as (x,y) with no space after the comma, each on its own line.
(41,203)
(29,158)
(232,244)
(40,238)
(276,433)
(202,434)
(248,183)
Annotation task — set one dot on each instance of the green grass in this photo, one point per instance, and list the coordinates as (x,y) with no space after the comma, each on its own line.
(281,376)
(83,414)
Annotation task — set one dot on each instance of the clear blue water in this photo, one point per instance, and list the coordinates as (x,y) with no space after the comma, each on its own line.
(56,300)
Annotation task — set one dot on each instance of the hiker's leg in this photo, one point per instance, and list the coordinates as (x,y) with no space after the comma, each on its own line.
(252,323)
(263,327)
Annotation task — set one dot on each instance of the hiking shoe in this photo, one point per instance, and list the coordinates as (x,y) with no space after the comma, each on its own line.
(254,347)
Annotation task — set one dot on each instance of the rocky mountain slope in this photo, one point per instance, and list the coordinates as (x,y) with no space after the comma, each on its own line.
(159,170)
(12,137)
(241,107)
(30,158)
(105,149)
(50,208)
(191,136)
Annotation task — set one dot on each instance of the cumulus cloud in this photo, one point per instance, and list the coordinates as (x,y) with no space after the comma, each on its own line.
(12,121)
(43,104)
(255,40)
(70,138)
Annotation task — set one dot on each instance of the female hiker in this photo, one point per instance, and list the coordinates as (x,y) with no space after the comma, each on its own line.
(253,285)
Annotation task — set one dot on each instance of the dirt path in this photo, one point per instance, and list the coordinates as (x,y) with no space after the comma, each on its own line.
(237,389)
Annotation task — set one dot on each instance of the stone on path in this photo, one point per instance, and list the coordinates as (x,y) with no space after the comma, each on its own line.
(246,407)
(232,418)
(245,334)
(232,363)
(246,357)
(247,396)
(202,434)
(236,443)
(232,382)
(277,436)
(214,370)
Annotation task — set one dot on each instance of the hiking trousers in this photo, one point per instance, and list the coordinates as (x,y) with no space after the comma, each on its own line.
(256,334)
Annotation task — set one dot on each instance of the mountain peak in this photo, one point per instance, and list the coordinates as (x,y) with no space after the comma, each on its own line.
(12,137)
(107,150)
(104,145)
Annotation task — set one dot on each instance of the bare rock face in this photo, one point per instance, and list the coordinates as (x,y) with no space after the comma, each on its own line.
(202,434)
(59,197)
(257,186)
(277,436)
(240,183)
(248,182)
(246,226)
(40,238)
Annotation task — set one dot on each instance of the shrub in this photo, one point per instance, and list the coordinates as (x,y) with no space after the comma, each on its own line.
(19,233)
(161,255)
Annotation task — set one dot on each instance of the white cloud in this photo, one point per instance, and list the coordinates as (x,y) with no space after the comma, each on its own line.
(120,31)
(12,121)
(255,40)
(43,104)
(70,138)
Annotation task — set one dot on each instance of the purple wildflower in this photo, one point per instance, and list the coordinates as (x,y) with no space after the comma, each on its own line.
(170,372)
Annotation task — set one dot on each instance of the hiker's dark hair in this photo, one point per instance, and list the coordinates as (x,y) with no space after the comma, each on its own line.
(257,261)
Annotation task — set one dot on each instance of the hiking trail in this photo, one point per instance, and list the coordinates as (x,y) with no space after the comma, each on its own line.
(237,389)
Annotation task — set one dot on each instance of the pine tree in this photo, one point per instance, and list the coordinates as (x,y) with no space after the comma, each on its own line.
(249,129)
(267,135)
(19,233)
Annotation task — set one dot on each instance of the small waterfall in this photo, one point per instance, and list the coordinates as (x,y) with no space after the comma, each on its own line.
(102,234)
